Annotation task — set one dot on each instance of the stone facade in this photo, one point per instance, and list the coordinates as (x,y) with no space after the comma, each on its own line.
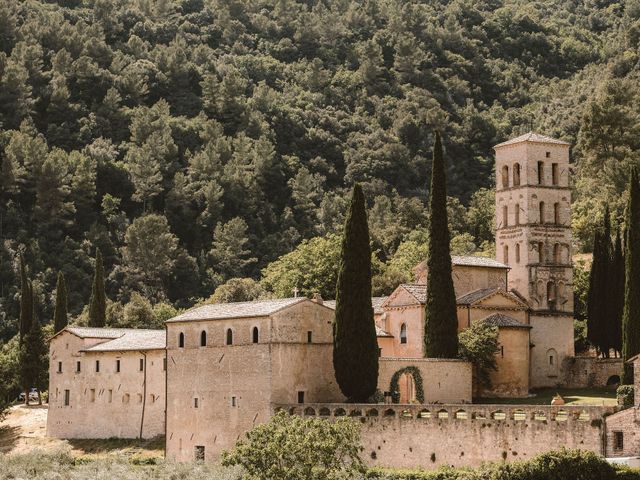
(622,437)
(587,372)
(533,237)
(102,387)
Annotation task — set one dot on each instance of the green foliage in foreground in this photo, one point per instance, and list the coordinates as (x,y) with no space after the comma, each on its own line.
(554,465)
(478,344)
(296,448)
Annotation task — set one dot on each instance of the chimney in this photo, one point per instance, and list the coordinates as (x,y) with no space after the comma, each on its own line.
(318,299)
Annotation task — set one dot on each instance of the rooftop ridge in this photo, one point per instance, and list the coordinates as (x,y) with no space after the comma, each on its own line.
(532,137)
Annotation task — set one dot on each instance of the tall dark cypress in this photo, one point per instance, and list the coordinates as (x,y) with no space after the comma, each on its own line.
(598,303)
(631,313)
(26,301)
(33,359)
(355,346)
(60,317)
(616,299)
(98,303)
(441,322)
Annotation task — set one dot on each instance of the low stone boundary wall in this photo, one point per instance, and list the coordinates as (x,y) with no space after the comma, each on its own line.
(586,372)
(432,435)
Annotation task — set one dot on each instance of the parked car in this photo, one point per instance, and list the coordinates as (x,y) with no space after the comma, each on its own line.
(33,396)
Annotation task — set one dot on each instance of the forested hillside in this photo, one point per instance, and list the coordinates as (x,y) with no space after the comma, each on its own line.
(198,141)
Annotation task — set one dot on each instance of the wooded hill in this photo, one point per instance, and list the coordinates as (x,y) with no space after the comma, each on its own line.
(198,141)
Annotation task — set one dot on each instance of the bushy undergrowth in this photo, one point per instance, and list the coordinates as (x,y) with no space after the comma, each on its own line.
(554,465)
(62,466)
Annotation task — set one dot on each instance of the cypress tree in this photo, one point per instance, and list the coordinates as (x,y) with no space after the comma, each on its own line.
(26,301)
(616,302)
(33,360)
(98,303)
(60,319)
(631,313)
(355,346)
(441,321)
(598,304)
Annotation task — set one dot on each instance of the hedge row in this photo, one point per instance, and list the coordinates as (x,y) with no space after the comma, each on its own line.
(553,465)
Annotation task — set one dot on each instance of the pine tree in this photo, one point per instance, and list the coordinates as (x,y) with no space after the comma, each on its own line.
(33,361)
(60,319)
(598,304)
(441,322)
(616,302)
(98,303)
(631,315)
(26,301)
(355,346)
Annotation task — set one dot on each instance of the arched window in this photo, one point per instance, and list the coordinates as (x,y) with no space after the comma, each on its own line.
(516,214)
(203,338)
(229,336)
(517,253)
(516,175)
(505,216)
(181,340)
(556,253)
(403,333)
(542,212)
(505,254)
(556,213)
(551,295)
(505,177)
(540,252)
(255,335)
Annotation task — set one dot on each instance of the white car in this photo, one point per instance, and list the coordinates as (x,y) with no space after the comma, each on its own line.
(33,396)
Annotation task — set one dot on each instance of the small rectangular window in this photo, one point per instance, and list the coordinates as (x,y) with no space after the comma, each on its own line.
(164,364)
(502,351)
(300,397)
(117,366)
(618,441)
(97,366)
(141,364)
(195,402)
(309,336)
(78,367)
(540,173)
(199,453)
(548,154)
(92,395)
(550,359)
(66,398)
(110,396)
(233,402)
(59,367)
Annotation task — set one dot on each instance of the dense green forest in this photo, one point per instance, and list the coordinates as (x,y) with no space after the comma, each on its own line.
(200,142)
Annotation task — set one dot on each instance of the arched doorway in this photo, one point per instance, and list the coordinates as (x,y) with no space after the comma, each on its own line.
(407,388)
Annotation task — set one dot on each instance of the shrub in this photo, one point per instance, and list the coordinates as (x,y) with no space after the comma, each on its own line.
(626,393)
(295,448)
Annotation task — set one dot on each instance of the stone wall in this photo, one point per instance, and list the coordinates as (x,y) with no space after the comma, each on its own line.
(627,425)
(585,372)
(444,380)
(430,436)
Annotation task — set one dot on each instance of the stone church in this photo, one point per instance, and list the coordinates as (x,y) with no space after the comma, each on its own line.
(219,370)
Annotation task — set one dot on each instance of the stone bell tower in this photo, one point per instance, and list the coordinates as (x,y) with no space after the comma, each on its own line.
(533,237)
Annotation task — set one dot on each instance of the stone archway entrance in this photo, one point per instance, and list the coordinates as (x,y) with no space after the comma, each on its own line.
(407,388)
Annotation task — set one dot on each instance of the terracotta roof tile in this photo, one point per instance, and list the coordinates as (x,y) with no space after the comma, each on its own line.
(501,320)
(221,311)
(133,339)
(474,296)
(534,138)
(376,302)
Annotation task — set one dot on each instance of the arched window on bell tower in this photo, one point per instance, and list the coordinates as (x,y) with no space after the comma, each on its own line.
(505,216)
(556,213)
(517,253)
(551,295)
(505,254)
(541,210)
(516,214)
(556,254)
(505,177)
(516,175)
(540,252)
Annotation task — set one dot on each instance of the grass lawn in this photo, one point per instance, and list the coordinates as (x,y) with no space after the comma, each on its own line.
(572,396)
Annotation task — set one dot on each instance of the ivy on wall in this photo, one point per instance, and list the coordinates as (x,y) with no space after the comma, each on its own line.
(417,378)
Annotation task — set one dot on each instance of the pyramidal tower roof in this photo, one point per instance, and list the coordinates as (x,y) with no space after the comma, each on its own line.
(532,137)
